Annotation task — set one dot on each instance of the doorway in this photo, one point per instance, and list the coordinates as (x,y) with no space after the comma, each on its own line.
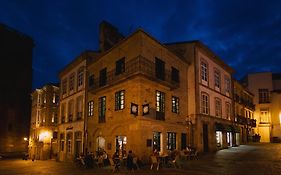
(205,138)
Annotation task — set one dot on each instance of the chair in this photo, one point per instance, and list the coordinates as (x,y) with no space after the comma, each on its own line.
(114,167)
(194,154)
(135,161)
(100,161)
(154,162)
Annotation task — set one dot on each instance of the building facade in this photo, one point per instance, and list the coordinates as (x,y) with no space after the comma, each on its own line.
(244,109)
(137,98)
(266,86)
(44,120)
(210,96)
(15,88)
(71,126)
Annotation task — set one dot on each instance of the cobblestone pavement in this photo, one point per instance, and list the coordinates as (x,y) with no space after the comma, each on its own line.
(257,159)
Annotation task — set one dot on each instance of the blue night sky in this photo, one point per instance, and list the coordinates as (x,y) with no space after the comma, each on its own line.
(246,34)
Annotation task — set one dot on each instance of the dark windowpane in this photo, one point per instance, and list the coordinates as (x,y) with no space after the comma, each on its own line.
(91,80)
(175,75)
(160,69)
(120,66)
(103,77)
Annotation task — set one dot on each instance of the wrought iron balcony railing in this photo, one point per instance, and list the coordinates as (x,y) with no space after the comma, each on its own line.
(137,66)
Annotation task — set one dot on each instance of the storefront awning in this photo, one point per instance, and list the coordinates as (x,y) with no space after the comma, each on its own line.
(219,127)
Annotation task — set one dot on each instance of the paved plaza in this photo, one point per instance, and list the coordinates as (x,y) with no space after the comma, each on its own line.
(258,159)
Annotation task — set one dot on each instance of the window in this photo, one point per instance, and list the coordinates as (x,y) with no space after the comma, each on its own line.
(160,105)
(80,76)
(264,116)
(63,113)
(120,66)
(64,86)
(175,104)
(160,69)
(103,77)
(62,142)
(102,103)
(91,80)
(156,141)
(263,96)
(90,108)
(54,98)
(217,107)
(79,107)
(217,79)
(175,75)
(70,111)
(227,85)
(119,100)
(171,141)
(204,71)
(69,143)
(227,110)
(204,103)
(71,82)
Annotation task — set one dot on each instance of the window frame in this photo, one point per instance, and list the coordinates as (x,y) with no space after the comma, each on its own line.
(205,103)
(175,104)
(119,100)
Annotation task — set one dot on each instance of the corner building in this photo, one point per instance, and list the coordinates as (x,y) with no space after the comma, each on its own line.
(137,98)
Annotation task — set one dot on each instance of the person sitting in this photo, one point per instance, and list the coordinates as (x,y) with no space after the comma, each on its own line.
(130,161)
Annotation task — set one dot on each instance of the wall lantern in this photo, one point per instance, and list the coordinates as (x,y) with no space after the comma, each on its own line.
(145,109)
(134,109)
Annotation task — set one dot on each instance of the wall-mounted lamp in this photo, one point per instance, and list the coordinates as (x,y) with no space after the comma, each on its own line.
(134,109)
(145,109)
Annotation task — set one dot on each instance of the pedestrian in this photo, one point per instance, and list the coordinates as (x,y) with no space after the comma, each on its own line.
(130,161)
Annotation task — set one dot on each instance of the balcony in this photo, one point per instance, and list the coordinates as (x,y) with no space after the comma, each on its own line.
(137,66)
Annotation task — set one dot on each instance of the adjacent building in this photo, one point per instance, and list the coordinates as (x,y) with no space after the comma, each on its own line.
(244,109)
(210,96)
(44,120)
(266,89)
(15,89)
(72,112)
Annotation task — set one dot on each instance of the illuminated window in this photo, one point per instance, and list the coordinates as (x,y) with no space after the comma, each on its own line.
(119,100)
(171,141)
(156,141)
(219,138)
(205,103)
(69,142)
(264,116)
(160,105)
(175,104)
(102,109)
(90,108)
(217,107)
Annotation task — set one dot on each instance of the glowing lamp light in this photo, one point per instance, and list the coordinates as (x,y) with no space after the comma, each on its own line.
(43,136)
(280,117)
(25,138)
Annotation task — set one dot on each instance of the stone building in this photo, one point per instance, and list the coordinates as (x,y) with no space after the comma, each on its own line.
(44,120)
(137,98)
(210,96)
(15,88)
(266,89)
(72,107)
(244,109)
